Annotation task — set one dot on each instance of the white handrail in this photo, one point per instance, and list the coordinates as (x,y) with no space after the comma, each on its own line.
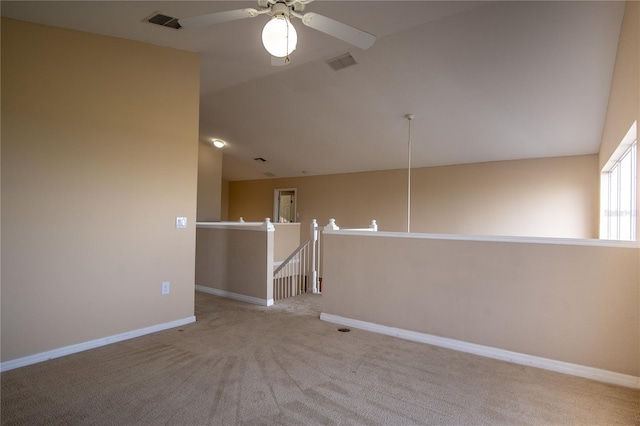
(373,226)
(291,256)
(256,226)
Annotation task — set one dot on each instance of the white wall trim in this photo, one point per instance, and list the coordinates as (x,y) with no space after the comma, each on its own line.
(235,296)
(91,344)
(244,226)
(491,238)
(490,352)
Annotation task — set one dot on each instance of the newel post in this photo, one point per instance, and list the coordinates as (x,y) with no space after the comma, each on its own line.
(331,226)
(268,225)
(373,226)
(314,266)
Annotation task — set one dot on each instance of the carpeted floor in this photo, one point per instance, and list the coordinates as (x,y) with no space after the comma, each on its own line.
(246,364)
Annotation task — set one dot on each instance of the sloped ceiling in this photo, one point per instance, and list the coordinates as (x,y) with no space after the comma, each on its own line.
(485,81)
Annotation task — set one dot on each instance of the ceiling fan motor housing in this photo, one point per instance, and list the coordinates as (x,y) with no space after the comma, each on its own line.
(281,7)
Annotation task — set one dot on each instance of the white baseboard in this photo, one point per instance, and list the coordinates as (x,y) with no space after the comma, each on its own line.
(490,352)
(235,296)
(68,350)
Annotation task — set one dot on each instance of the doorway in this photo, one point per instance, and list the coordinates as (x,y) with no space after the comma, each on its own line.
(284,205)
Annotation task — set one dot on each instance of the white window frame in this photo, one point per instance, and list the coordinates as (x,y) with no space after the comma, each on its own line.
(612,215)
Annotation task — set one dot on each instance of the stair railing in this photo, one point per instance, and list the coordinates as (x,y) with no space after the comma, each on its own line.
(290,278)
(302,270)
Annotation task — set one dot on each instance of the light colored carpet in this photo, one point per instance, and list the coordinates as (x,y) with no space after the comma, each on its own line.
(246,364)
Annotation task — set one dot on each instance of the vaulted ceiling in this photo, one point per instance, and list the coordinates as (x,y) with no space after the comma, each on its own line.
(486,81)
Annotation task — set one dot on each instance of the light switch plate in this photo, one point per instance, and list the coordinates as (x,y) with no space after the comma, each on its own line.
(181,222)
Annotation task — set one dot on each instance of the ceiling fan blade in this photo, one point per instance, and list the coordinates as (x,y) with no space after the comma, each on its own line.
(344,32)
(217,18)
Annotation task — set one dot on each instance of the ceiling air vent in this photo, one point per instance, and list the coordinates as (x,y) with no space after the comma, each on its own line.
(164,21)
(341,62)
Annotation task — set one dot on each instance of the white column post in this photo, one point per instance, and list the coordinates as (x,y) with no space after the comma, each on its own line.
(374,225)
(331,226)
(312,266)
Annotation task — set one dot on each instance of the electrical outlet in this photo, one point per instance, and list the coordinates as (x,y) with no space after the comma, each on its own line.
(165,287)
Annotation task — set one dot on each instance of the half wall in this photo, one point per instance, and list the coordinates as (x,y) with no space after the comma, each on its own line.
(571,301)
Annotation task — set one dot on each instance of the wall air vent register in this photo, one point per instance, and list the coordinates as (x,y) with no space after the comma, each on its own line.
(342,62)
(163,20)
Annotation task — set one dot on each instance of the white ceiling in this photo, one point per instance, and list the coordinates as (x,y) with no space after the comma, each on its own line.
(486,81)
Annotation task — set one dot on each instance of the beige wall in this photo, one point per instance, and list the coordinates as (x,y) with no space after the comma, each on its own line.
(286,239)
(636,12)
(224,213)
(624,97)
(209,183)
(576,304)
(236,261)
(623,105)
(97,162)
(556,197)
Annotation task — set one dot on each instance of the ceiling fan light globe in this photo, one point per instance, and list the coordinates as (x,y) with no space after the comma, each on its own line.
(279,37)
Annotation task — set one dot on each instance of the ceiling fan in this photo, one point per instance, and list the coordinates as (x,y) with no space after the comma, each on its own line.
(279,36)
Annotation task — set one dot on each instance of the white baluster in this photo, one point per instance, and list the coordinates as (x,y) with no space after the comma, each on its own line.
(304,269)
(319,261)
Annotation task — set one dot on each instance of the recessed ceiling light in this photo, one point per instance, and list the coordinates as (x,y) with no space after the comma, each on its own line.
(218,143)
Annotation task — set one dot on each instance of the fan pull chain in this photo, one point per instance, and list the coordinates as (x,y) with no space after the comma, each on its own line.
(286,58)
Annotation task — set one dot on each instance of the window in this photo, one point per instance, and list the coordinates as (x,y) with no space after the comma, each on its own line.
(619,191)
